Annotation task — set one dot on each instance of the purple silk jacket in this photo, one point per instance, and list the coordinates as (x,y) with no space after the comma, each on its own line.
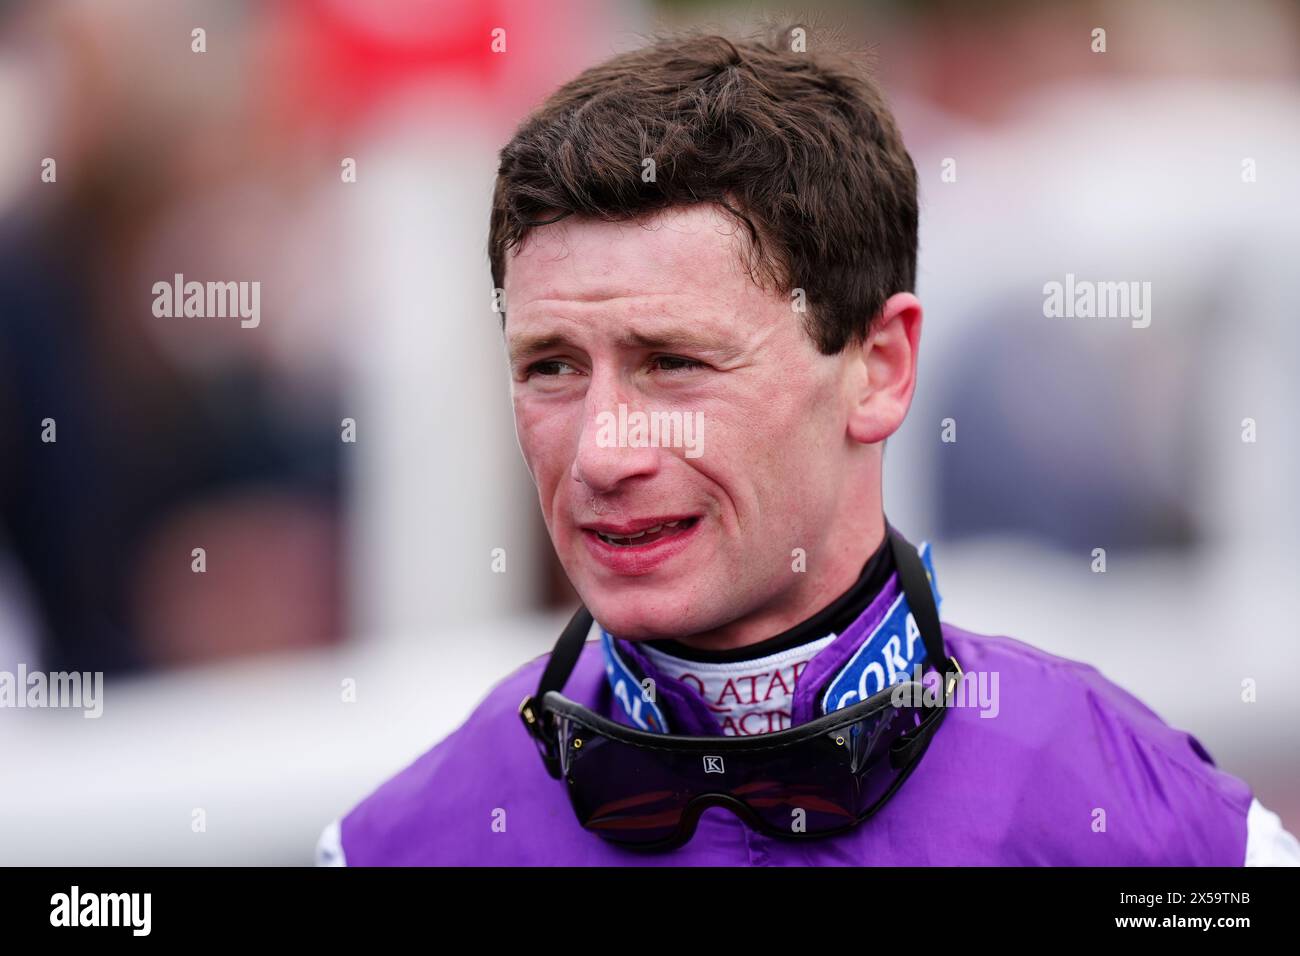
(1066,752)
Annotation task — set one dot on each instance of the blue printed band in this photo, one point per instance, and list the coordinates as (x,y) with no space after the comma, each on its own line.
(887,656)
(642,711)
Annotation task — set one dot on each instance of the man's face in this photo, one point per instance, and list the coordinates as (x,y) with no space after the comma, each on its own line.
(660,316)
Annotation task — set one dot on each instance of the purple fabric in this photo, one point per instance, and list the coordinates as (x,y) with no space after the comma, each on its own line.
(835,655)
(1020,788)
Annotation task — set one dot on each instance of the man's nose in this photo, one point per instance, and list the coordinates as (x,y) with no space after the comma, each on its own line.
(604,458)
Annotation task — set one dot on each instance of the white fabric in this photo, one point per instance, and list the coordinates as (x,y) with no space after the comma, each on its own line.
(329,848)
(1267,842)
(746,697)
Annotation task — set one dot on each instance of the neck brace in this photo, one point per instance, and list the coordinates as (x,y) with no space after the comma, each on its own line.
(659,692)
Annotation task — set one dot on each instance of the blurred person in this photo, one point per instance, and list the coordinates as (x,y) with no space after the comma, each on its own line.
(768,680)
(164,434)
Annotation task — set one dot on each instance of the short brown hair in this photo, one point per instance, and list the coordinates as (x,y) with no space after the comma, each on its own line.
(800,148)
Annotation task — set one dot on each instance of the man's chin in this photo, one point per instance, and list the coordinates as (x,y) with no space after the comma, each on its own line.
(644,618)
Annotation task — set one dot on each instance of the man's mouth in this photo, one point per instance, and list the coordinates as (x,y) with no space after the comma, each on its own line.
(644,533)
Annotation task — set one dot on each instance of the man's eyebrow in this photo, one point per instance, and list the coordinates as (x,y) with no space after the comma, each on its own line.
(526,346)
(670,338)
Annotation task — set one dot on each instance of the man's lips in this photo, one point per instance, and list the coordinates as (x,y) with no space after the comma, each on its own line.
(641,546)
(640,532)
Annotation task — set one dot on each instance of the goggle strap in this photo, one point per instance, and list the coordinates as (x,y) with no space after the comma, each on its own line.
(920,599)
(556,673)
(565,655)
(916,744)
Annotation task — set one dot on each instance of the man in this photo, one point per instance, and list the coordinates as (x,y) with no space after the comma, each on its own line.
(708,250)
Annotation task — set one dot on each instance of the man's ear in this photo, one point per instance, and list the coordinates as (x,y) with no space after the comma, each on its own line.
(884,368)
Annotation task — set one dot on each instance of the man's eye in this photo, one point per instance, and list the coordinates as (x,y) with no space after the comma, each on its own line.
(549,367)
(675,363)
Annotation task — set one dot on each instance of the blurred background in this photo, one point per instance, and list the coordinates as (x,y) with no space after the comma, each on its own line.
(342,154)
